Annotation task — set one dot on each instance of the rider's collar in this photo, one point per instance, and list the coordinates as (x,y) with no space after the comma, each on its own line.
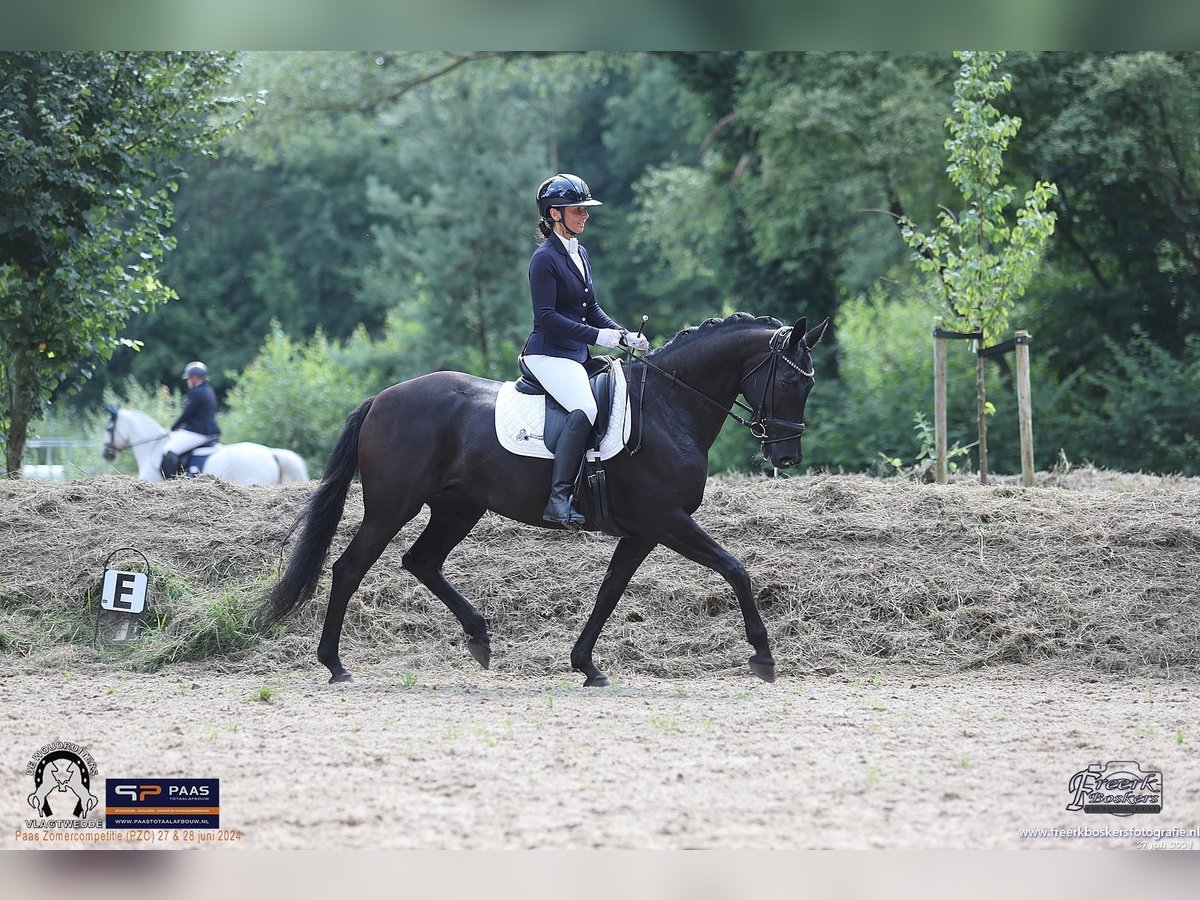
(571,244)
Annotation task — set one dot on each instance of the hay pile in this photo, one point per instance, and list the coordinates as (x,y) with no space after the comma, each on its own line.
(1101,571)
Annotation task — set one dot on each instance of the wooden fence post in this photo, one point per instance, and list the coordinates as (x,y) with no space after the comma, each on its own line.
(939,400)
(1024,408)
(981,405)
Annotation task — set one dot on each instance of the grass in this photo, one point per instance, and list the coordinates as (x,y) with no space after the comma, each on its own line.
(222,628)
(264,694)
(12,643)
(666,723)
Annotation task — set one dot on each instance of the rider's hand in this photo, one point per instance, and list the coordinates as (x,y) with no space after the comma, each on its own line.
(635,341)
(608,337)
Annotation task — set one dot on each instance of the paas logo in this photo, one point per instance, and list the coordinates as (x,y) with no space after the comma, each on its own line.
(162,803)
(1119,788)
(62,780)
(137,793)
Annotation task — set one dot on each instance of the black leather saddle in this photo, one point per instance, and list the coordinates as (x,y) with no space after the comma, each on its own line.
(193,461)
(603,382)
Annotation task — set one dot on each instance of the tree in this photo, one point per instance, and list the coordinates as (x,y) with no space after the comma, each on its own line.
(982,264)
(85,140)
(1115,132)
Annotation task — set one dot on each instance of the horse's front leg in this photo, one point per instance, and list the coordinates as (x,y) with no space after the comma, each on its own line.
(692,542)
(630,554)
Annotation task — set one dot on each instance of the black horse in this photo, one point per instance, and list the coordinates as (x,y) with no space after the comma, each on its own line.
(432,440)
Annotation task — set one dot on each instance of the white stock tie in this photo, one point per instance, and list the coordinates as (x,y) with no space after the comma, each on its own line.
(573,251)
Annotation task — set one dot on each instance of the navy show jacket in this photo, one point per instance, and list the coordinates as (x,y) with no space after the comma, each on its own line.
(566,316)
(200,412)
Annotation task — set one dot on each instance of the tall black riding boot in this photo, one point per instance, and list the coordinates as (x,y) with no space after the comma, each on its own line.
(169,465)
(568,456)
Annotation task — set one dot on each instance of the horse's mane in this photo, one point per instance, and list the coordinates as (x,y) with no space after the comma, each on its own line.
(141,418)
(686,335)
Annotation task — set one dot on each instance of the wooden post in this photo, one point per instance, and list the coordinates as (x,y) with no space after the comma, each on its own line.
(939,401)
(981,407)
(1024,408)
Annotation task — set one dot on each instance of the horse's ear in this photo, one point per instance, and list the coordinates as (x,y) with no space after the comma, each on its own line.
(814,337)
(797,334)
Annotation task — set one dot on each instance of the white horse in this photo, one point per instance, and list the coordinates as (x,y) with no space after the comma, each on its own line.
(242,463)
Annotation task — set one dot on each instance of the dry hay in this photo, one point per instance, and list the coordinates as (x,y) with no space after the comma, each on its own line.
(1100,571)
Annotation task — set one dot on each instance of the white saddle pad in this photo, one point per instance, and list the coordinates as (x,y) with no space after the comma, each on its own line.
(521,419)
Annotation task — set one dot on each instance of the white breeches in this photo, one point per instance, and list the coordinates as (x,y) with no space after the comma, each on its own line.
(566,381)
(181,441)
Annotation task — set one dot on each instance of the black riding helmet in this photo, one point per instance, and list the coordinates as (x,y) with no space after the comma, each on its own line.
(195,368)
(563,190)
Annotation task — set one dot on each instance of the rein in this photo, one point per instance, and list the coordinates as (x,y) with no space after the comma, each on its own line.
(109,445)
(758,422)
(161,437)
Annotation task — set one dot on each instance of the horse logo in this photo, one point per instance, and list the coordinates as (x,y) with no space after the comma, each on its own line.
(62,769)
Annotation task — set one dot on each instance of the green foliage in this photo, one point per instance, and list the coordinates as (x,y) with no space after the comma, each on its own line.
(885,354)
(384,198)
(923,465)
(836,135)
(678,268)
(218,627)
(295,396)
(1144,416)
(1118,130)
(982,264)
(84,196)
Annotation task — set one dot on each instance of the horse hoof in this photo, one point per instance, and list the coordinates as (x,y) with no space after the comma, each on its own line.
(597,680)
(764,670)
(340,677)
(481,652)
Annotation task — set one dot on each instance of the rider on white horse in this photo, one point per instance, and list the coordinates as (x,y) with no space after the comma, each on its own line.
(197,424)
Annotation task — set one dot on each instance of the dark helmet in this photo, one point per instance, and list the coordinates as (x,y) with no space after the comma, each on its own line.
(195,368)
(564,190)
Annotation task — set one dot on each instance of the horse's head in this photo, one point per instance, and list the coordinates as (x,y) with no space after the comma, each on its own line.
(777,388)
(110,440)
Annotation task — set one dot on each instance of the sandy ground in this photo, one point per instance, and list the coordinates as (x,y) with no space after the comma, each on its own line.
(895,757)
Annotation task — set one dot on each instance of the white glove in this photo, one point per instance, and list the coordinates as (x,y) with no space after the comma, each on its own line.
(608,337)
(635,341)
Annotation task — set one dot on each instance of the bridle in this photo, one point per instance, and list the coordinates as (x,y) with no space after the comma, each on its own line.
(111,450)
(760,418)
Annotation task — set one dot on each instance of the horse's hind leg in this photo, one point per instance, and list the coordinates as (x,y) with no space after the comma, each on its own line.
(449,522)
(631,552)
(376,531)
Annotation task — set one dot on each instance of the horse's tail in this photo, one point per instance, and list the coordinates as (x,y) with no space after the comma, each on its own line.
(320,518)
(291,466)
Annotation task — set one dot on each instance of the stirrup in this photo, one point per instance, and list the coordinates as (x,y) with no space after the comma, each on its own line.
(574,519)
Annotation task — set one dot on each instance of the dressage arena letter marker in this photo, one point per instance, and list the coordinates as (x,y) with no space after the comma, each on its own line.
(122,603)
(124,591)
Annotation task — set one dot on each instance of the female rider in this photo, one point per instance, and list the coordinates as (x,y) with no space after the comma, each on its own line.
(566,319)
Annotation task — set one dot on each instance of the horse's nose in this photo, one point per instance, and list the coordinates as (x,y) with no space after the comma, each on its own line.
(786,460)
